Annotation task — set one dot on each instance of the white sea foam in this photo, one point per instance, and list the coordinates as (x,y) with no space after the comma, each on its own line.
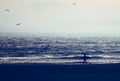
(59,59)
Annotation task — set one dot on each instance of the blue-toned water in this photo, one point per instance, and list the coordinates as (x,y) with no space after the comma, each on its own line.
(58,49)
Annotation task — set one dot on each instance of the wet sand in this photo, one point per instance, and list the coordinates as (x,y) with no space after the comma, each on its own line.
(54,72)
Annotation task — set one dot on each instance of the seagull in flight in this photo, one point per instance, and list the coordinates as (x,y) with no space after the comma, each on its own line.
(18,24)
(7,10)
(74,3)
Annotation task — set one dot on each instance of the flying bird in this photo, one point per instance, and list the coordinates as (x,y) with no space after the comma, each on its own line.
(18,24)
(74,3)
(7,10)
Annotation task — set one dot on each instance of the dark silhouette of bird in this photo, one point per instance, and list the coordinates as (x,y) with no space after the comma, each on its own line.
(18,24)
(74,3)
(7,10)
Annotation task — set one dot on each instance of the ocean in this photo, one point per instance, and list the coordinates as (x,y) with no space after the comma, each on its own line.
(22,48)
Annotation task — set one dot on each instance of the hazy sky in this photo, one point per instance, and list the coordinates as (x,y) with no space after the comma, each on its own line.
(60,16)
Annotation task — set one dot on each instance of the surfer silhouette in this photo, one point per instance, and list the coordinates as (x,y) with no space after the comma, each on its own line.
(85,57)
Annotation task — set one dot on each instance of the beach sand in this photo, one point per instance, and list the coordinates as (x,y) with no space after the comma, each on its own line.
(54,72)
